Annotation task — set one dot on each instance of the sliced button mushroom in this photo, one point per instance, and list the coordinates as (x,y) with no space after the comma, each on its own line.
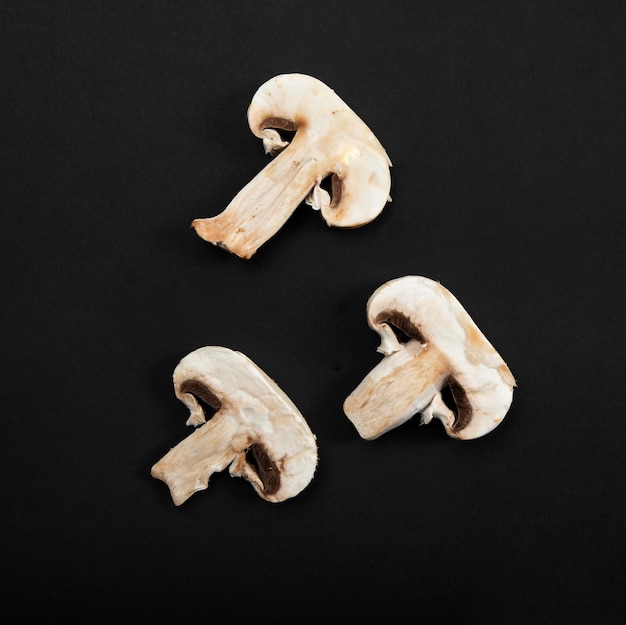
(436,362)
(244,421)
(329,140)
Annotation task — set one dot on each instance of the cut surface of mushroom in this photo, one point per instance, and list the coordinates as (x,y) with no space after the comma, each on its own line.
(243,421)
(329,140)
(436,362)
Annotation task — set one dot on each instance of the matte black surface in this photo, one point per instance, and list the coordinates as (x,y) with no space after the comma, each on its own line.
(123,121)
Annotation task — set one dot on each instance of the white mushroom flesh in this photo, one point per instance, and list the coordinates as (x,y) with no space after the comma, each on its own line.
(329,140)
(444,352)
(254,429)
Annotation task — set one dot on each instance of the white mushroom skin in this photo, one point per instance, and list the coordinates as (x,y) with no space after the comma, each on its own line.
(253,418)
(330,139)
(445,349)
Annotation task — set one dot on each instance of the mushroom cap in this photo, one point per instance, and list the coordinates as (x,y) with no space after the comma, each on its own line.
(340,142)
(445,351)
(256,429)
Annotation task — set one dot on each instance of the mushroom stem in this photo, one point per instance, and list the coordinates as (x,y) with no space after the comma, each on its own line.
(186,468)
(401,385)
(263,206)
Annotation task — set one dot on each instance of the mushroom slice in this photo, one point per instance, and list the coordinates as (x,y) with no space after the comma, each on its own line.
(244,421)
(436,362)
(329,140)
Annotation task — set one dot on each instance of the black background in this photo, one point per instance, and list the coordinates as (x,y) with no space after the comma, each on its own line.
(123,121)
